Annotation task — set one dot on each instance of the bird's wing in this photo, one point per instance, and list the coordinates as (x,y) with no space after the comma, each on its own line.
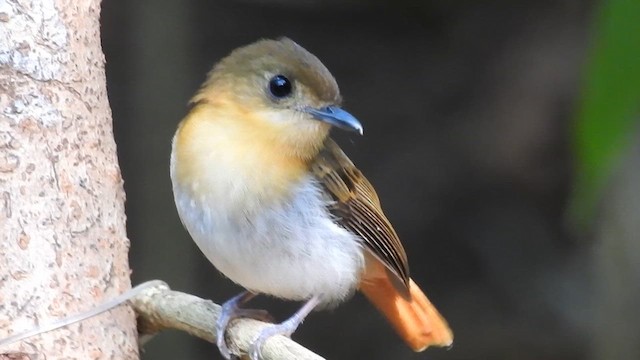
(357,208)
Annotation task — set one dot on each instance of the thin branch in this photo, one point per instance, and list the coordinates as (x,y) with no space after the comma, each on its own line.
(60,323)
(160,308)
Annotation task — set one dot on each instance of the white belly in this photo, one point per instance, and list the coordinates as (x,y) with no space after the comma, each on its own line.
(292,250)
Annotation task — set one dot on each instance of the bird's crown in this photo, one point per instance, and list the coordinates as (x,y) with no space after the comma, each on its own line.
(280,72)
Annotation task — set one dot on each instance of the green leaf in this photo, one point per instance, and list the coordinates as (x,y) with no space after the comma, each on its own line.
(610,104)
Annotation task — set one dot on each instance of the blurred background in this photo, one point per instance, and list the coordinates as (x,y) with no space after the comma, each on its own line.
(502,137)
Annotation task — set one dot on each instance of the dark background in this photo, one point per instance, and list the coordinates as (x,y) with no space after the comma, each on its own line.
(467,108)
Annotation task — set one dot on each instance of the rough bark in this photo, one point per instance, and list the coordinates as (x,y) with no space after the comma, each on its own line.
(62,223)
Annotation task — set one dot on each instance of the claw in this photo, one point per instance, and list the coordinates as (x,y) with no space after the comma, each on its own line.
(231,310)
(285,328)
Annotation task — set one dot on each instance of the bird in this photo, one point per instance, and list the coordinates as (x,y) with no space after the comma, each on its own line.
(276,205)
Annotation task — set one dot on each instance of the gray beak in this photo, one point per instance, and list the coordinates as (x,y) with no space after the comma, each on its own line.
(337,117)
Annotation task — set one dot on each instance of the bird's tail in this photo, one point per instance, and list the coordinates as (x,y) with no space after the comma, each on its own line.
(417,321)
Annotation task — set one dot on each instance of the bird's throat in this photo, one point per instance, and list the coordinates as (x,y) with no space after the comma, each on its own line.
(222,159)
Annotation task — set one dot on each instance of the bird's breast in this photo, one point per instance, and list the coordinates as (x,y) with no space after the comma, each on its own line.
(261,220)
(233,164)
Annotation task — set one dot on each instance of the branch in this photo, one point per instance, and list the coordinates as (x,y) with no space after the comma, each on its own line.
(160,308)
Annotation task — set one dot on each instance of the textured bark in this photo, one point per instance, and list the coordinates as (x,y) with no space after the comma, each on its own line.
(62,223)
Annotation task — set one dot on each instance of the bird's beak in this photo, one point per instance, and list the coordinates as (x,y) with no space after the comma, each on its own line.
(337,117)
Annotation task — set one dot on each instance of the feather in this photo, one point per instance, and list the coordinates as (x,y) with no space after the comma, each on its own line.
(357,208)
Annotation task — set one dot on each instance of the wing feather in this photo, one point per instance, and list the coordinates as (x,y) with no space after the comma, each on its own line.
(357,208)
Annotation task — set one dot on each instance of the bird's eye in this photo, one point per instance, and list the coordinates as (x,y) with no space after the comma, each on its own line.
(280,86)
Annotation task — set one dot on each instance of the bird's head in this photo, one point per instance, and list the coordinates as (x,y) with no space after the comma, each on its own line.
(277,90)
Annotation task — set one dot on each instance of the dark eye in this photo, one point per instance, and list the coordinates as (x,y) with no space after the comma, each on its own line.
(280,86)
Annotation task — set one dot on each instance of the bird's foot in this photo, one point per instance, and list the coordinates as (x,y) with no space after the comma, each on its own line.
(231,310)
(285,328)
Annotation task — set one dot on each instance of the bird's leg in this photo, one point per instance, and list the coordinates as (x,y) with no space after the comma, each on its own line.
(231,310)
(285,328)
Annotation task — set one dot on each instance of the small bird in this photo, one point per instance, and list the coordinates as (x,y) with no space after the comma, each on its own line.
(277,207)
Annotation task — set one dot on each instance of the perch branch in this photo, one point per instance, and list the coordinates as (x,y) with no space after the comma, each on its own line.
(160,308)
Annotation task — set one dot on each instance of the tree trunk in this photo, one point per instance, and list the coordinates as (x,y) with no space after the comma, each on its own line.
(62,223)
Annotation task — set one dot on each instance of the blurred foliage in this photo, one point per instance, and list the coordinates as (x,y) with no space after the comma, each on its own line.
(610,104)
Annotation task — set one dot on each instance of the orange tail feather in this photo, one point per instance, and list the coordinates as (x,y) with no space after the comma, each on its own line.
(417,321)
